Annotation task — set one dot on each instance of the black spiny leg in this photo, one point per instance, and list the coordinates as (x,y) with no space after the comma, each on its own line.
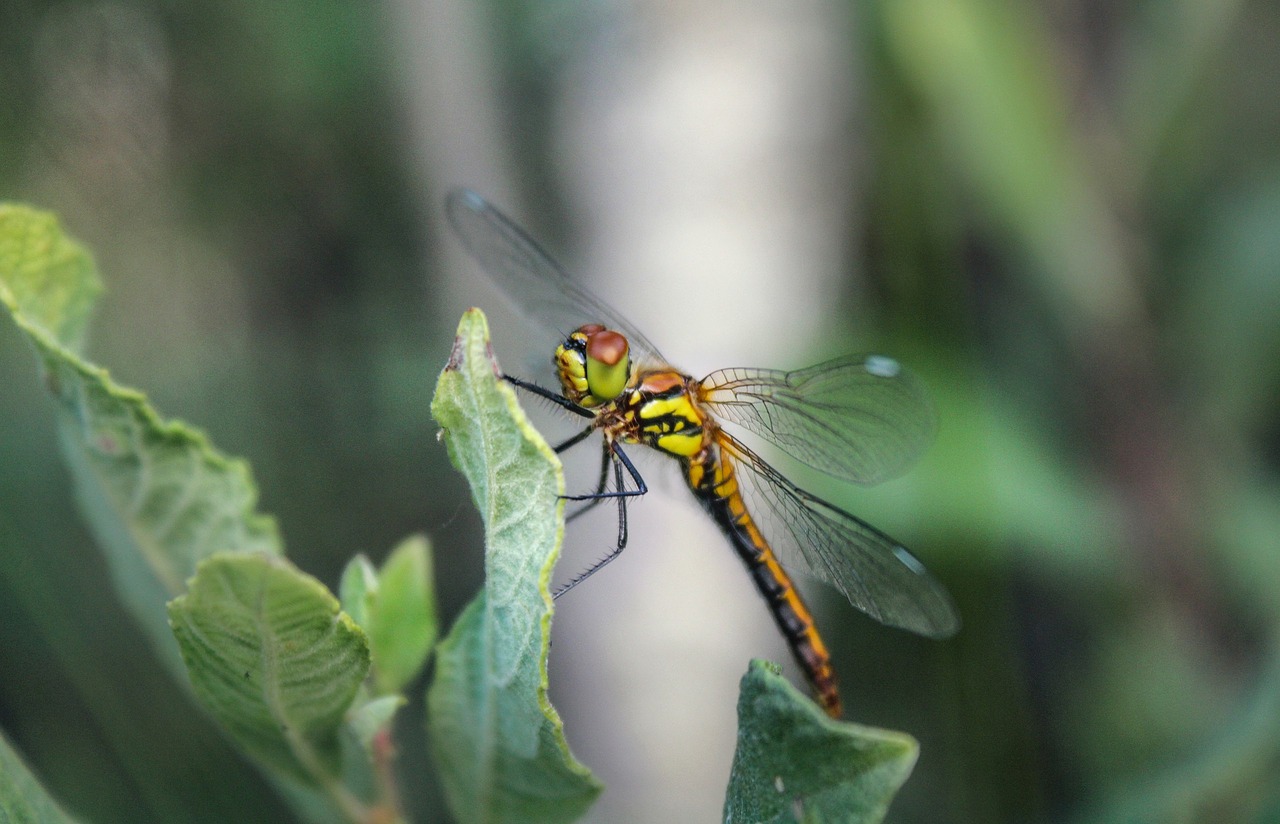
(600,487)
(600,494)
(620,462)
(558,400)
(562,447)
(612,453)
(612,449)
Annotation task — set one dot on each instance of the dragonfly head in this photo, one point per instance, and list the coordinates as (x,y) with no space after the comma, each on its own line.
(594,364)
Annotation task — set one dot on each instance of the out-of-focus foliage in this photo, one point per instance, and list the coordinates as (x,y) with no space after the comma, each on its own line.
(22,799)
(229,202)
(267,651)
(159,497)
(1093,184)
(1070,212)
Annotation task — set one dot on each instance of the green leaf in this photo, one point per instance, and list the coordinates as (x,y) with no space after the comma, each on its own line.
(498,741)
(372,717)
(47,280)
(274,659)
(402,615)
(793,763)
(22,799)
(357,589)
(396,607)
(160,500)
(158,496)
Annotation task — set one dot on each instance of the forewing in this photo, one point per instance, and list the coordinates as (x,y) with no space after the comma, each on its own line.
(876,573)
(537,286)
(862,418)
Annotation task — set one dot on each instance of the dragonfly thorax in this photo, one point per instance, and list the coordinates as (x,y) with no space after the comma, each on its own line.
(662,410)
(594,365)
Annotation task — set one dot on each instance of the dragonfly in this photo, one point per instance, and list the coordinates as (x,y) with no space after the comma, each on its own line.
(861,418)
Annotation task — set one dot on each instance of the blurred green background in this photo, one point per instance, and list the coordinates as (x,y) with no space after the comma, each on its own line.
(1064,216)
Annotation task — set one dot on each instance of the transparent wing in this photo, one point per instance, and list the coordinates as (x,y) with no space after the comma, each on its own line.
(537,286)
(862,418)
(872,570)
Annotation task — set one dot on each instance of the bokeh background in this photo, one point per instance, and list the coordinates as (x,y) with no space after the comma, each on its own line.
(1063,215)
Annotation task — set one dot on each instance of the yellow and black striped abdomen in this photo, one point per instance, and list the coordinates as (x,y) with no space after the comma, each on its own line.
(715,484)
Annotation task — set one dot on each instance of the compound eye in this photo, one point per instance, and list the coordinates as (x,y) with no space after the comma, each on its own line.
(608,363)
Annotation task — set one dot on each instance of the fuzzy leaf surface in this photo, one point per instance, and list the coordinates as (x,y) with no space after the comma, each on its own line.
(499,742)
(273,658)
(794,764)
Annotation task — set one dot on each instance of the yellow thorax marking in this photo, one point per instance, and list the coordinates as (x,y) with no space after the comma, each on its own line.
(668,417)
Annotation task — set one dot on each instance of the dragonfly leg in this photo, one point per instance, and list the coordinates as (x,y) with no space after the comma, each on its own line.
(610,448)
(613,450)
(618,465)
(564,446)
(557,399)
(599,496)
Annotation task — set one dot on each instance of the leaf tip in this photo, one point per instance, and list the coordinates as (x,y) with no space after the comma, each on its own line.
(472,341)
